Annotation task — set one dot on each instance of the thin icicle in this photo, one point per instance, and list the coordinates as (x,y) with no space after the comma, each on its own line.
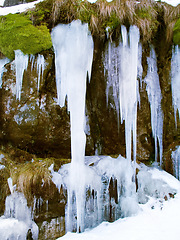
(3,62)
(21,63)
(154,94)
(175,81)
(40,68)
(128,86)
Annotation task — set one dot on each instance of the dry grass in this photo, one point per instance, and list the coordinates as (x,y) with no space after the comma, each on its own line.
(146,18)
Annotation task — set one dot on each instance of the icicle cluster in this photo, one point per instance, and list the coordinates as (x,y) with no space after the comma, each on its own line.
(154,96)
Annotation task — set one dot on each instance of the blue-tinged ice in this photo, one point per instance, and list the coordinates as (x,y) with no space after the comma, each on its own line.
(175,81)
(175,155)
(3,62)
(154,95)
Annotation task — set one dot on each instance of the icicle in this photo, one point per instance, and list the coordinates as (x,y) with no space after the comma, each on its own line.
(176,161)
(40,68)
(154,95)
(175,81)
(31,59)
(3,62)
(128,86)
(73,47)
(21,63)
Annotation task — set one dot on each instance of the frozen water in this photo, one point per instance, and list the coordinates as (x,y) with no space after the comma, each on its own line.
(154,96)
(40,67)
(3,62)
(73,47)
(122,65)
(17,217)
(128,86)
(176,161)
(21,63)
(175,81)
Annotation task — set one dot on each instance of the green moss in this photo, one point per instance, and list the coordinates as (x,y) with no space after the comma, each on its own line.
(176,33)
(17,32)
(145,13)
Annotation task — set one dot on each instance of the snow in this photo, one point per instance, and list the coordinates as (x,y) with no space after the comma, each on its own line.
(18,8)
(157,220)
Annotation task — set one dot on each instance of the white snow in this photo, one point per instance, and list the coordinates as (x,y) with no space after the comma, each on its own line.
(157,220)
(17,8)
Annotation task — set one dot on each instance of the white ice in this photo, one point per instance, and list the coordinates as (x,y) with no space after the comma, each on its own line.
(17,218)
(73,46)
(21,63)
(175,81)
(175,155)
(3,62)
(158,219)
(40,67)
(154,95)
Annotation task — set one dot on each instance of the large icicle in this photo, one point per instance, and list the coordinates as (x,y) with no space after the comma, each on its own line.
(3,62)
(154,95)
(175,81)
(128,86)
(21,63)
(73,47)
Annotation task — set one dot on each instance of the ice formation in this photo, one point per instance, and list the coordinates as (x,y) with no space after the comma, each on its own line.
(21,63)
(40,67)
(176,161)
(154,96)
(73,47)
(17,217)
(175,81)
(3,62)
(122,68)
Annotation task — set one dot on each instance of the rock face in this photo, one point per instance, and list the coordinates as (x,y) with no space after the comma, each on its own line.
(38,125)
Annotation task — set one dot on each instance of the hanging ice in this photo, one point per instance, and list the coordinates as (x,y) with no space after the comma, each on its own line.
(3,62)
(40,67)
(73,47)
(175,81)
(154,95)
(128,86)
(122,68)
(176,161)
(21,63)
(17,217)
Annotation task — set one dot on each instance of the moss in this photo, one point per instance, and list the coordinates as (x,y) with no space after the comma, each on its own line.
(176,32)
(17,32)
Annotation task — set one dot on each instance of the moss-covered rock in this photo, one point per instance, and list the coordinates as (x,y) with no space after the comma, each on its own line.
(17,32)
(176,33)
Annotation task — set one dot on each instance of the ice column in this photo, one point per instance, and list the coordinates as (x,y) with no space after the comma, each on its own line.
(154,94)
(128,86)
(40,68)
(175,80)
(73,46)
(3,62)
(21,63)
